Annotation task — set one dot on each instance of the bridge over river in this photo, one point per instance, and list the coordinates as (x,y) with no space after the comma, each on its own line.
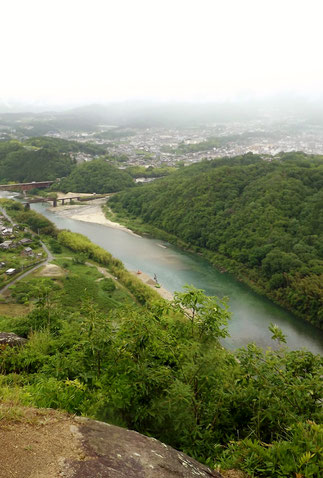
(69,198)
(43,185)
(26,186)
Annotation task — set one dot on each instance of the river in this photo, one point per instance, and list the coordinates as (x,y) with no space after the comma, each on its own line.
(251,312)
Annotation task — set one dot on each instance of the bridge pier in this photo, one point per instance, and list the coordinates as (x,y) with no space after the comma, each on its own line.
(54,202)
(63,202)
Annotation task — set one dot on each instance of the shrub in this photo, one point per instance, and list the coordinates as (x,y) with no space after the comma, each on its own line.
(108,285)
(298,455)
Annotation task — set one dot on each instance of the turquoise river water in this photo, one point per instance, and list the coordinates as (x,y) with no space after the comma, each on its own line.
(251,313)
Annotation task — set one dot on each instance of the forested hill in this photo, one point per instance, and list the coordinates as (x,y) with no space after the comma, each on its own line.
(96,176)
(262,219)
(40,159)
(21,162)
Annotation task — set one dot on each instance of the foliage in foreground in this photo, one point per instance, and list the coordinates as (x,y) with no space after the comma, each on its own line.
(166,375)
(298,455)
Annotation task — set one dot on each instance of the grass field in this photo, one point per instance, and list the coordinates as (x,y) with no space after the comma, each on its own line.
(77,283)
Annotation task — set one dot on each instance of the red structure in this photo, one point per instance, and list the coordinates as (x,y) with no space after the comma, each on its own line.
(26,186)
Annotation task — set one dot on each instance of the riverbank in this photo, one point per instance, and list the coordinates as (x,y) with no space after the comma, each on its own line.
(97,213)
(93,213)
(147,280)
(89,213)
(251,313)
(222,263)
(100,213)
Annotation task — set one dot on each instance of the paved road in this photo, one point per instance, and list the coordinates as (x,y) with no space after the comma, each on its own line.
(46,261)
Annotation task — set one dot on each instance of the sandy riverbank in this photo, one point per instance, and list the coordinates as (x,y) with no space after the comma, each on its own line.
(146,279)
(71,195)
(93,213)
(89,213)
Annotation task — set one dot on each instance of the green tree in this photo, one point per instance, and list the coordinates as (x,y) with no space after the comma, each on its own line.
(208,315)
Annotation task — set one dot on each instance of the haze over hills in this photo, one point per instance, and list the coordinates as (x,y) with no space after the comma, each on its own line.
(156,113)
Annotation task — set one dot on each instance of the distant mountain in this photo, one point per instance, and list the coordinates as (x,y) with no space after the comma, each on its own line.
(39,124)
(145,114)
(15,106)
(172,114)
(153,113)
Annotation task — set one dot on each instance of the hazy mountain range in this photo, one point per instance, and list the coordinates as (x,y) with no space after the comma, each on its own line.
(145,113)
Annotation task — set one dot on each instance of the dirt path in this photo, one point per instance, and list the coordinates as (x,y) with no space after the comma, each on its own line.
(37,446)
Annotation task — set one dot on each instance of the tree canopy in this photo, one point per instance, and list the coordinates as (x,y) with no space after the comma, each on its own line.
(96,176)
(45,158)
(21,163)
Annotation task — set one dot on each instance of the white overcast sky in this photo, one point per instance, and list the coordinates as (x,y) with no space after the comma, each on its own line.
(89,50)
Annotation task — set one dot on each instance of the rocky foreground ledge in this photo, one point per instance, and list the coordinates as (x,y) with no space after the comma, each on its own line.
(49,444)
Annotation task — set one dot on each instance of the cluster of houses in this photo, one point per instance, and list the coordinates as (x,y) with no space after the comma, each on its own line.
(8,235)
(11,244)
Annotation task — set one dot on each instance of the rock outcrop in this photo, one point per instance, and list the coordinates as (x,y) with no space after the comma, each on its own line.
(51,444)
(9,338)
(113,452)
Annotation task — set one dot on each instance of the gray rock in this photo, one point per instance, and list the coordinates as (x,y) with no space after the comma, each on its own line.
(9,338)
(114,452)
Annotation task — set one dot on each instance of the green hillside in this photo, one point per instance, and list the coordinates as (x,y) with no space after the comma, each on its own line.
(96,176)
(260,219)
(40,159)
(25,163)
(66,146)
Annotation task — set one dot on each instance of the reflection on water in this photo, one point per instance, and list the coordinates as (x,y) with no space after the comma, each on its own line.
(251,313)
